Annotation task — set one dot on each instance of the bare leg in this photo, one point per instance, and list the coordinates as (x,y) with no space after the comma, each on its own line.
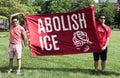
(103,64)
(10,63)
(96,65)
(19,64)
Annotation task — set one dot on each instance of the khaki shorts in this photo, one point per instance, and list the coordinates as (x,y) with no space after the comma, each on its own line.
(15,50)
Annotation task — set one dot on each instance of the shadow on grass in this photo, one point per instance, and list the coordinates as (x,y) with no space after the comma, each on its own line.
(74,70)
(85,71)
(3,69)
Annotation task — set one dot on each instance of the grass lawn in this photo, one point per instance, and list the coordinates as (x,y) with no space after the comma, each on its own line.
(67,66)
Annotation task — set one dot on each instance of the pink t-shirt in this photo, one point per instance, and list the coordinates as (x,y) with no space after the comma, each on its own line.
(15,34)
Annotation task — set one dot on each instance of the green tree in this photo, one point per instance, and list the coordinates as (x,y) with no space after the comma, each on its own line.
(12,6)
(8,7)
(117,19)
(32,9)
(78,4)
(26,2)
(109,11)
(58,6)
(41,5)
(53,6)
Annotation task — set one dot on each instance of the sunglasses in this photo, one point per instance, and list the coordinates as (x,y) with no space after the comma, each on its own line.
(102,18)
(14,21)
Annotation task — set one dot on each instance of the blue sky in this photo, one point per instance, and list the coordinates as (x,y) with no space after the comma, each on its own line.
(96,0)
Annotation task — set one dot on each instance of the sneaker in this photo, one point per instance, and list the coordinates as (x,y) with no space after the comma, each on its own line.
(95,72)
(103,72)
(9,71)
(18,73)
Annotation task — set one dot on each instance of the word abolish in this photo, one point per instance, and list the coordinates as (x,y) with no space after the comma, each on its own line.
(58,23)
(62,23)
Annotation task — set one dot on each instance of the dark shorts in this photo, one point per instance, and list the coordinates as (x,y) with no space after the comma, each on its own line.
(102,55)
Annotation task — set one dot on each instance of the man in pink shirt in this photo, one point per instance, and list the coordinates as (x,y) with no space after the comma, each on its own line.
(17,34)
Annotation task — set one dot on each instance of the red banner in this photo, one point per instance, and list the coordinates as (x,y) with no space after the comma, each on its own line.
(62,33)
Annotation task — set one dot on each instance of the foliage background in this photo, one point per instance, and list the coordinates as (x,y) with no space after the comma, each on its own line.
(56,6)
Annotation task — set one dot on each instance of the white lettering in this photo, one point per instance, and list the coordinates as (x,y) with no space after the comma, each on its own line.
(48,25)
(55,42)
(63,24)
(47,39)
(82,20)
(48,43)
(69,23)
(75,25)
(56,23)
(40,26)
(41,43)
